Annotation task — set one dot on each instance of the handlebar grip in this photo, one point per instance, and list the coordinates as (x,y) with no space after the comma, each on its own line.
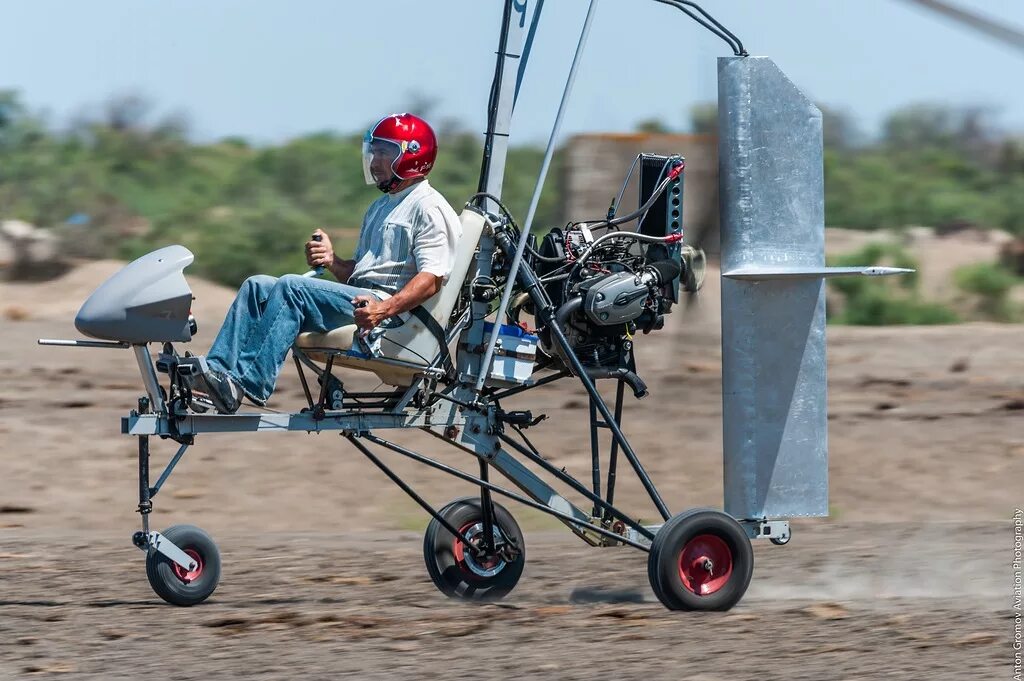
(319,269)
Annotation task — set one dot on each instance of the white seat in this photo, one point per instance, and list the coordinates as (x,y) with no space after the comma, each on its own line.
(412,342)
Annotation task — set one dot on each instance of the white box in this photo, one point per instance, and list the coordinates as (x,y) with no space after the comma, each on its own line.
(514,355)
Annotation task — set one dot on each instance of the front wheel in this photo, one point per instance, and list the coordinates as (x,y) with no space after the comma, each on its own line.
(460,571)
(175,584)
(700,560)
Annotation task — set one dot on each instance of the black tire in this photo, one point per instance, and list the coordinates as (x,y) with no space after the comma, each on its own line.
(171,582)
(454,571)
(705,535)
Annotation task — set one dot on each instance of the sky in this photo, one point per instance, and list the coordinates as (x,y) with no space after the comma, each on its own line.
(271,70)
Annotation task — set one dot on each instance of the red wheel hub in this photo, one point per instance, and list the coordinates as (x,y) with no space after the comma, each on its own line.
(189,575)
(705,564)
(468,563)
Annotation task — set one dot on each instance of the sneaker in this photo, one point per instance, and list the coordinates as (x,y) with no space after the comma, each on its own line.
(255,400)
(223,392)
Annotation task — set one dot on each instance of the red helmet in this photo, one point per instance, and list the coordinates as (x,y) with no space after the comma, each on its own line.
(407,141)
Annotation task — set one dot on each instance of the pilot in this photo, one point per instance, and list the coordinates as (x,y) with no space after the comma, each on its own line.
(405,251)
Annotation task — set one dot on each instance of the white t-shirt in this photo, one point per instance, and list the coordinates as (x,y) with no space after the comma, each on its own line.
(412,231)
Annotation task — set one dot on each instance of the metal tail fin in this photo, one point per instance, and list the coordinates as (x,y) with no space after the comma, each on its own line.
(773,293)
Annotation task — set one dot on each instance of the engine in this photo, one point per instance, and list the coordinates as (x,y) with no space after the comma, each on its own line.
(604,291)
(605,282)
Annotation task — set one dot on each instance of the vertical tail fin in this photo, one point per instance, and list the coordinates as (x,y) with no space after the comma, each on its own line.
(773,330)
(773,293)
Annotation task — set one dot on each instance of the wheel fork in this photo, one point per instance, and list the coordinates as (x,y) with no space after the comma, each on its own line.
(157,542)
(147,540)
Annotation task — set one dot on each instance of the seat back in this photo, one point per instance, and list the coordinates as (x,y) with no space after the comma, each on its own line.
(411,342)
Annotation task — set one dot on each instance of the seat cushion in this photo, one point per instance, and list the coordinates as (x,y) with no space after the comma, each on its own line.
(340,338)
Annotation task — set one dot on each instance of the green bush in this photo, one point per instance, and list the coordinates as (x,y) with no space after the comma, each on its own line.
(243,209)
(869,301)
(992,284)
(880,308)
(985,279)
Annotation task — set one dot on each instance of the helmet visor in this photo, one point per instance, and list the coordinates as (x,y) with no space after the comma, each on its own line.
(379,156)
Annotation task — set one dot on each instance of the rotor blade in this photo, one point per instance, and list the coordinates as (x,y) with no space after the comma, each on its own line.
(1009,35)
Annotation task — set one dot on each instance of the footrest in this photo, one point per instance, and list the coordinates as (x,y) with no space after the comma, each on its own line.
(192,366)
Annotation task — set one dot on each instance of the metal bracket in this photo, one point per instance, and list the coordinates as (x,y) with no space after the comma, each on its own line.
(776,530)
(633,535)
(161,544)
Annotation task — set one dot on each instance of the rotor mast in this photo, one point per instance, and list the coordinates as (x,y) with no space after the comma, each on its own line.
(513,50)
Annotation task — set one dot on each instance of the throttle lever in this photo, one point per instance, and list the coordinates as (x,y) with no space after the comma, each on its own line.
(319,269)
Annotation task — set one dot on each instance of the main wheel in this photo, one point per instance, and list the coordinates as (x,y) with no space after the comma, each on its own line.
(700,560)
(456,569)
(175,584)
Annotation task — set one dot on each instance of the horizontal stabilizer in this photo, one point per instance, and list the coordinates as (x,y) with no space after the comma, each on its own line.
(810,272)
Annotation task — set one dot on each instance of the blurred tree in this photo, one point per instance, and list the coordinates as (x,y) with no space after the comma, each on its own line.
(878,303)
(966,129)
(653,126)
(123,180)
(991,284)
(704,119)
(839,130)
(11,110)
(420,103)
(921,125)
(1010,159)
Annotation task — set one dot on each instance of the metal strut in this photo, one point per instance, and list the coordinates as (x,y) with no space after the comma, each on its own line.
(595,448)
(595,456)
(502,394)
(167,471)
(486,509)
(518,254)
(411,492)
(613,459)
(507,71)
(501,490)
(302,379)
(576,485)
(145,504)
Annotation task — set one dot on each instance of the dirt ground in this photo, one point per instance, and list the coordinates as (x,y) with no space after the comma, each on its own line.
(323,573)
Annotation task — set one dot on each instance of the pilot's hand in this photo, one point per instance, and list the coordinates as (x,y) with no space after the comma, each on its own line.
(320,253)
(369,313)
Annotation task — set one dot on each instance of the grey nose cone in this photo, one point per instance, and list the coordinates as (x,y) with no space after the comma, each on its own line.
(146,301)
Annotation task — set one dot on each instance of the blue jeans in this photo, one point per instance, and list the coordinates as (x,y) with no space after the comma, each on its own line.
(267,315)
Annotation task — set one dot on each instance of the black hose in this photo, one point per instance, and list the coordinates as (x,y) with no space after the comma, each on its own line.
(738,50)
(562,316)
(624,375)
(658,191)
(567,310)
(718,29)
(512,221)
